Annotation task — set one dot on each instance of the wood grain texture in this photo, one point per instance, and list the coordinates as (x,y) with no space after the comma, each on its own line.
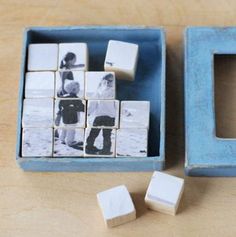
(64,204)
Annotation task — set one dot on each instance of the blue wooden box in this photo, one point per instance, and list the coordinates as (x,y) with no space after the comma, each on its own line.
(206,154)
(149,85)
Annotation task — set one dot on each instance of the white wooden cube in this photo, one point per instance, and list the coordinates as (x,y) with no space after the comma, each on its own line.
(70,112)
(37,142)
(103,113)
(134,114)
(37,112)
(39,85)
(99,142)
(132,142)
(70,82)
(100,86)
(42,57)
(73,56)
(121,58)
(164,193)
(68,142)
(117,206)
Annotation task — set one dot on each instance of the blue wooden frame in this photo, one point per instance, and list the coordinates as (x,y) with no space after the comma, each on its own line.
(149,85)
(206,154)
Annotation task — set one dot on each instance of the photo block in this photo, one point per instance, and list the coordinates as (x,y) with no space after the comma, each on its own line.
(39,85)
(37,113)
(37,142)
(121,58)
(116,205)
(68,142)
(164,193)
(73,56)
(100,142)
(132,142)
(134,114)
(100,85)
(70,112)
(70,84)
(103,113)
(42,57)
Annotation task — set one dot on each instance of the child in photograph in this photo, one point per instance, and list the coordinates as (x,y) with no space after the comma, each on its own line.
(104,114)
(66,75)
(68,62)
(106,87)
(69,111)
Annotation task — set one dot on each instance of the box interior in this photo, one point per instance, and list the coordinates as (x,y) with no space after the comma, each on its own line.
(147,84)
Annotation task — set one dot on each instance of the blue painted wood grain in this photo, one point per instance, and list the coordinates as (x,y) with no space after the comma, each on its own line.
(206,154)
(149,85)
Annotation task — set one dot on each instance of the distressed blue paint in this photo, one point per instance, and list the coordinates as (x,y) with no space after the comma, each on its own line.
(149,85)
(206,154)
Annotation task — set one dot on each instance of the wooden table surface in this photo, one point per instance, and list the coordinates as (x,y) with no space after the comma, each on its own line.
(64,204)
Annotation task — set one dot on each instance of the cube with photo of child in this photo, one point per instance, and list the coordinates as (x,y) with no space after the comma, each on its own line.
(73,56)
(37,112)
(70,112)
(68,142)
(100,142)
(100,85)
(103,113)
(70,84)
(39,84)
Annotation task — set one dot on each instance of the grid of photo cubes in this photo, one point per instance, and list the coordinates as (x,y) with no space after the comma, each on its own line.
(69,111)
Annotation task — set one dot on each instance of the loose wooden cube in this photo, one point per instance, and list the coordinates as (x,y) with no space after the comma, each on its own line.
(70,83)
(164,193)
(117,206)
(39,84)
(73,56)
(121,58)
(68,142)
(103,113)
(37,113)
(131,142)
(42,57)
(70,112)
(134,114)
(100,142)
(100,85)
(37,142)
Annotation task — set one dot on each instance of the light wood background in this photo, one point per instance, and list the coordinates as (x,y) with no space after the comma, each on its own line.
(64,204)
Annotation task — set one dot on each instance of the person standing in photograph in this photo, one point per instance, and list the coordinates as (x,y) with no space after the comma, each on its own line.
(104,113)
(68,62)
(106,87)
(69,111)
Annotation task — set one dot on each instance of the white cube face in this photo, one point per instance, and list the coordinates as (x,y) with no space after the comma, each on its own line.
(37,142)
(39,85)
(70,84)
(116,205)
(42,57)
(73,56)
(68,142)
(70,113)
(37,113)
(103,113)
(100,142)
(100,85)
(131,142)
(164,192)
(121,57)
(135,114)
